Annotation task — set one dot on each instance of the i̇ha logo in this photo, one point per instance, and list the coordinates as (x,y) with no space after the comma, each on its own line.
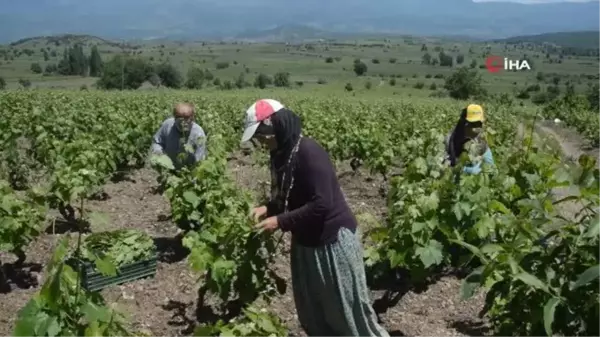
(496,63)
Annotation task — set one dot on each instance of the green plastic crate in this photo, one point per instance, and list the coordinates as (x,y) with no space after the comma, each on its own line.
(93,280)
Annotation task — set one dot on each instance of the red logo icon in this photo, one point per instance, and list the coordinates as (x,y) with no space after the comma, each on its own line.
(494,63)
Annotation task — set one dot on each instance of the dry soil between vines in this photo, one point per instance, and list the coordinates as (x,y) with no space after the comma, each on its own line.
(166,304)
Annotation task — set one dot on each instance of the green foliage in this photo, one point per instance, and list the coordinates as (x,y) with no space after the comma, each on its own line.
(585,120)
(124,72)
(222,65)
(169,76)
(21,218)
(592,96)
(426,59)
(74,62)
(63,308)
(241,83)
(50,69)
(432,209)
(195,78)
(25,83)
(36,68)
(224,245)
(446,60)
(360,68)
(254,322)
(549,276)
(96,63)
(119,247)
(262,81)
(281,79)
(464,83)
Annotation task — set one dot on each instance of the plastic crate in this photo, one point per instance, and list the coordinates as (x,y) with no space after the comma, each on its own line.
(94,280)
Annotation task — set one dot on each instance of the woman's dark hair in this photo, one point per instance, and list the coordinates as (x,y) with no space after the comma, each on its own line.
(264,130)
(458,138)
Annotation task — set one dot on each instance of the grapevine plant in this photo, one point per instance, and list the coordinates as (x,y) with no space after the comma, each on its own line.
(21,219)
(63,308)
(232,257)
(554,284)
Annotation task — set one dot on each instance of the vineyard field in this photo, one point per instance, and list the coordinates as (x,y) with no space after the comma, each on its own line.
(525,231)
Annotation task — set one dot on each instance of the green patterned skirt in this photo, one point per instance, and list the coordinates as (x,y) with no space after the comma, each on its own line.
(330,289)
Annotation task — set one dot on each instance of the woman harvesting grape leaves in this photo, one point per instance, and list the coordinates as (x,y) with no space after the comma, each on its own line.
(328,275)
(468,136)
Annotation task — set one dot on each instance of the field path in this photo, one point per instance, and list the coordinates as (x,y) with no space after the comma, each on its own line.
(571,144)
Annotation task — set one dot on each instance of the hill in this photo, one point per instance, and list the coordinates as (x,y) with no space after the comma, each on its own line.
(63,39)
(209,19)
(286,33)
(584,39)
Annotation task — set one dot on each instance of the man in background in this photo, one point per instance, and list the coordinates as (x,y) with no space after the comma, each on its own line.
(178,133)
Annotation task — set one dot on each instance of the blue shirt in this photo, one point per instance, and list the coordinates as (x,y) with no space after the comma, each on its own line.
(476,168)
(168,140)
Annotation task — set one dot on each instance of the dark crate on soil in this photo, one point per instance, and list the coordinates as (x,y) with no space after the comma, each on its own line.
(93,280)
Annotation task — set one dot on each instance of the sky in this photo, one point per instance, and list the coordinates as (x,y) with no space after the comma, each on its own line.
(535,1)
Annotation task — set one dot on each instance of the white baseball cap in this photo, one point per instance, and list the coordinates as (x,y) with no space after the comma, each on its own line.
(258,112)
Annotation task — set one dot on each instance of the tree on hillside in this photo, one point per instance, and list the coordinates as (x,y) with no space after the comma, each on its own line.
(426,59)
(64,67)
(170,77)
(2,83)
(50,69)
(74,62)
(281,79)
(593,96)
(445,60)
(78,62)
(154,80)
(95,62)
(464,83)
(240,82)
(262,81)
(36,68)
(124,72)
(46,56)
(460,59)
(25,83)
(195,78)
(360,68)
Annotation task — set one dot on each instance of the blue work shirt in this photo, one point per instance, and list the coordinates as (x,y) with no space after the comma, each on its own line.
(168,140)
(476,167)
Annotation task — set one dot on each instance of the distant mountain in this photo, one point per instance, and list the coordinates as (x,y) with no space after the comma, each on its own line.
(587,39)
(288,33)
(219,19)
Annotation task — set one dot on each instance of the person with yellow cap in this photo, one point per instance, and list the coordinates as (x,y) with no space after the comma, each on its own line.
(468,136)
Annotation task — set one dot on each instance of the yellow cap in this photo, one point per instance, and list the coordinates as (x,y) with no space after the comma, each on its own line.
(474,113)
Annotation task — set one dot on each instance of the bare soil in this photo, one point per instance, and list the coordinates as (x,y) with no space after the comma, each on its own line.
(166,304)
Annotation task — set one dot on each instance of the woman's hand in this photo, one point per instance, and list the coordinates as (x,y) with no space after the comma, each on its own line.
(269,224)
(258,213)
